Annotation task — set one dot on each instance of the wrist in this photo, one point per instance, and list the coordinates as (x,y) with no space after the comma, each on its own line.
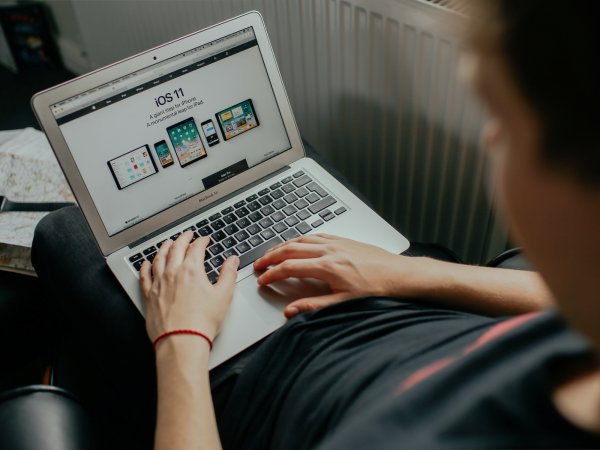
(423,278)
(182,347)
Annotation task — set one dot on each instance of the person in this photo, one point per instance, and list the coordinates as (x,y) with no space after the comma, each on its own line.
(400,352)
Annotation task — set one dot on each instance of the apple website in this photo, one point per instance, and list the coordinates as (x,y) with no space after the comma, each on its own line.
(154,138)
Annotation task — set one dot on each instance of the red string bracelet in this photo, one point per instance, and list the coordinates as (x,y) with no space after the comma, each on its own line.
(171,333)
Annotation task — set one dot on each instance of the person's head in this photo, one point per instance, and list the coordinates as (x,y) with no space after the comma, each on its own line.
(534,66)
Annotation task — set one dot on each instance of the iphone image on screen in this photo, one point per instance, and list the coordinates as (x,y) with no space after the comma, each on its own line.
(163,153)
(132,167)
(210,133)
(185,138)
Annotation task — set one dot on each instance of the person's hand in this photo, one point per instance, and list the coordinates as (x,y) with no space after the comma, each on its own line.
(178,293)
(350,268)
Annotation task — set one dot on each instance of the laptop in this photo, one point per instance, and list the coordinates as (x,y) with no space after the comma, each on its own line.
(198,134)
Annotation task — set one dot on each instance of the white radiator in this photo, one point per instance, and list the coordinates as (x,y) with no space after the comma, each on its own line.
(373,86)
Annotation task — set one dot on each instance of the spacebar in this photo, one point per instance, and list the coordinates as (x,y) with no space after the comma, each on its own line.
(257,252)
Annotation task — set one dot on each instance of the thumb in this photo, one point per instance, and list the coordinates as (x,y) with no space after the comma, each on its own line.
(228,273)
(312,303)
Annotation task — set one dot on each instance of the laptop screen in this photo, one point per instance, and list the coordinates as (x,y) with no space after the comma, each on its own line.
(153,138)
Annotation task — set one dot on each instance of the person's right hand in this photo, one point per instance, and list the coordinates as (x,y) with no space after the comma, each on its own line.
(351,269)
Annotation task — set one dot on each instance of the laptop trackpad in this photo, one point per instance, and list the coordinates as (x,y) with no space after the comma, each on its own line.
(270,301)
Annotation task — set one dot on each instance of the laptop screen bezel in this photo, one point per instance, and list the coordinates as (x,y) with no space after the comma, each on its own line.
(41,105)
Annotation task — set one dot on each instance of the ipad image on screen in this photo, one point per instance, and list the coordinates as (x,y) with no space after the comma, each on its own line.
(185,138)
(132,167)
(237,119)
(163,153)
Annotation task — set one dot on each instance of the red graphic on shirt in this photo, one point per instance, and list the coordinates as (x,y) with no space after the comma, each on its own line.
(491,334)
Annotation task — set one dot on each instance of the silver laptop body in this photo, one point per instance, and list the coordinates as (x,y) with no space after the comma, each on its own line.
(199,134)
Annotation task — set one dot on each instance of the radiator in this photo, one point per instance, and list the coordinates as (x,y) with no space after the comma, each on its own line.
(373,85)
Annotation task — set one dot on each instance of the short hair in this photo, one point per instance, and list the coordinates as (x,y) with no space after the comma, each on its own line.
(552,48)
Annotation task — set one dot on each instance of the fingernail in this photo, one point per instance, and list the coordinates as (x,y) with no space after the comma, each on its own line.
(292,310)
(235,260)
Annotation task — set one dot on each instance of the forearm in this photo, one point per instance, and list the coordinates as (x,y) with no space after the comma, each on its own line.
(185,418)
(484,290)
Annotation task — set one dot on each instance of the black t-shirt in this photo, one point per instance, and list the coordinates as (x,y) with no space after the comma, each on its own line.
(383,373)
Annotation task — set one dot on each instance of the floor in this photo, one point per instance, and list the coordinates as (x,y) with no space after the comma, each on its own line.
(26,333)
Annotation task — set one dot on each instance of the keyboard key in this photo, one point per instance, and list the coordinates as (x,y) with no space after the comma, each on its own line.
(328,217)
(135,257)
(286,180)
(159,244)
(255,216)
(251,198)
(324,213)
(265,191)
(212,277)
(207,267)
(301,192)
(216,249)
(339,211)
(229,218)
(257,252)
(267,210)
(254,206)
(175,236)
(317,223)
(190,228)
(243,223)
(266,222)
(228,242)
(231,229)
(253,229)
(265,200)
(278,216)
(202,223)
(318,189)
(303,227)
(138,264)
(242,236)
(149,250)
(298,174)
(290,234)
(321,204)
(255,241)
(312,197)
(239,204)
(291,221)
(289,188)
(289,210)
(242,248)
(278,204)
(217,262)
(303,215)
(242,212)
(228,253)
(280,227)
(151,257)
(275,186)
(219,235)
(290,198)
(267,234)
(218,224)
(214,217)
(305,179)
(205,231)
(277,194)
(227,210)
(301,204)
(195,236)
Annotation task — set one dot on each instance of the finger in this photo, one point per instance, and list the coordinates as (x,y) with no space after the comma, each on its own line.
(306,239)
(158,265)
(178,250)
(294,250)
(228,273)
(196,251)
(293,268)
(145,278)
(312,303)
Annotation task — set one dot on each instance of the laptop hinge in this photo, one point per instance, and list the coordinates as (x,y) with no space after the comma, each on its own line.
(206,208)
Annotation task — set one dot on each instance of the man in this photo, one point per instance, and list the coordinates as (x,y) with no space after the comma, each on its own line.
(402,352)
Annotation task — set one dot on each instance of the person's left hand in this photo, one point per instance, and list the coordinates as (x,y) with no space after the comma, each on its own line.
(178,293)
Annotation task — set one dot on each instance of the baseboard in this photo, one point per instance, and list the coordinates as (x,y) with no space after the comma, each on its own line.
(73,56)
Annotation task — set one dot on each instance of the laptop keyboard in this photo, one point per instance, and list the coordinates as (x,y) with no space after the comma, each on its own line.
(289,208)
